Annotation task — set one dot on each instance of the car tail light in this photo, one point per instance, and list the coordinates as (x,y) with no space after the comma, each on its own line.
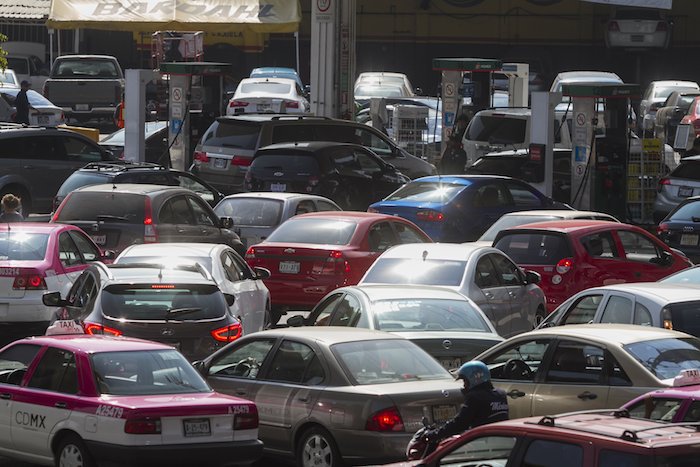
(613,26)
(429,215)
(241,161)
(142,426)
(228,333)
(335,263)
(29,282)
(245,420)
(564,265)
(666,320)
(96,329)
(233,104)
(385,420)
(661,26)
(201,157)
(60,207)
(662,229)
(662,182)
(150,233)
(251,258)
(291,104)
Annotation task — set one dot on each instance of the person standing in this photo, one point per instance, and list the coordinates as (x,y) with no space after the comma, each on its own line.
(10,208)
(22,105)
(454,158)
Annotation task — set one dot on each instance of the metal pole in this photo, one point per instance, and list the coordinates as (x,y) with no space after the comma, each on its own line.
(76,41)
(296,40)
(50,48)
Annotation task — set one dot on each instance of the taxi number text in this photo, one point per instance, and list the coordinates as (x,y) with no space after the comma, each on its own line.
(109,411)
(239,409)
(9,271)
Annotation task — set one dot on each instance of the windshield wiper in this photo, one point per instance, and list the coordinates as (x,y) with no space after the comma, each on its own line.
(183,311)
(107,217)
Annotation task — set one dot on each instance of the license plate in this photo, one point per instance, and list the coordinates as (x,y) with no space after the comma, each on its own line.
(197,427)
(451,363)
(685,191)
(689,239)
(442,413)
(264,107)
(637,38)
(99,239)
(43,119)
(278,186)
(219,163)
(82,107)
(289,267)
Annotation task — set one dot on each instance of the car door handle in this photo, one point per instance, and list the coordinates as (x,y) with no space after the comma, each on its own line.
(515,393)
(587,395)
(5,396)
(60,405)
(513,294)
(488,295)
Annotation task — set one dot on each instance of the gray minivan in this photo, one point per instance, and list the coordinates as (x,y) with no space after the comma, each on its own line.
(226,149)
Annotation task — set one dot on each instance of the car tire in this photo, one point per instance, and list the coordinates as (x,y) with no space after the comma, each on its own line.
(540,315)
(71,452)
(317,448)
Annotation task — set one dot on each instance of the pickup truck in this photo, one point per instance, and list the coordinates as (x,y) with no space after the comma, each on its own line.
(86,86)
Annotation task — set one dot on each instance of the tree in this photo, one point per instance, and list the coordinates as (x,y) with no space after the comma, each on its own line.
(3,53)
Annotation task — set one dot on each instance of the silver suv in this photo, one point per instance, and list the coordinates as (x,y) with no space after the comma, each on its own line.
(683,182)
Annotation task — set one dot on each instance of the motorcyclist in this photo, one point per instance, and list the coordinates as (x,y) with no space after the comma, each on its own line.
(483,403)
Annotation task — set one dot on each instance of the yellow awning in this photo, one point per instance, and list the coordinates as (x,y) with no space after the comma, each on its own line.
(265,16)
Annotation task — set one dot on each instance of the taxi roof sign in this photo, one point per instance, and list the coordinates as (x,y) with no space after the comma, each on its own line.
(466,64)
(687,378)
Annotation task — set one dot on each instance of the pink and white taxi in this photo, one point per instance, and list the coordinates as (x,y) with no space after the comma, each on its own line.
(35,258)
(680,403)
(76,400)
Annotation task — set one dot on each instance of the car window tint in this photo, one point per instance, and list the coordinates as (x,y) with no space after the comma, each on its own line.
(304,206)
(534,247)
(175,211)
(600,245)
(56,371)
(427,192)
(487,450)
(68,252)
(683,317)
(686,212)
(85,205)
(497,129)
(693,412)
(14,362)
(43,147)
(347,313)
(575,362)
(85,246)
(656,408)
(642,315)
(23,246)
(326,206)
(290,362)
(638,247)
(491,196)
(518,361)
(665,358)
(408,234)
(254,212)
(201,212)
(428,314)
(368,164)
(522,196)
(416,271)
(583,311)
(85,296)
(78,150)
(508,273)
(314,230)
(615,373)
(322,312)
(687,170)
(617,310)
(486,275)
(242,361)
(231,267)
(78,179)
(373,141)
(609,458)
(381,237)
(286,133)
(235,134)
(544,453)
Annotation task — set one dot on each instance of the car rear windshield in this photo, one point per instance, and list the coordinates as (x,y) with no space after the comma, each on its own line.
(291,163)
(145,372)
(386,361)
(666,91)
(78,179)
(665,358)
(427,192)
(507,222)
(232,134)
(270,87)
(86,68)
(251,212)
(428,314)
(161,301)
(23,246)
(314,230)
(497,129)
(638,14)
(688,169)
(110,207)
(686,212)
(535,247)
(416,271)
(685,317)
(205,261)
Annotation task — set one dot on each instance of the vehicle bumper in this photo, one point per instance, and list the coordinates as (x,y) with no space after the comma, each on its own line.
(231,453)
(632,40)
(92,113)
(367,448)
(27,309)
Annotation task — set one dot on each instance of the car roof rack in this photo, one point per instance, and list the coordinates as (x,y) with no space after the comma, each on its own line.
(300,117)
(192,267)
(122,165)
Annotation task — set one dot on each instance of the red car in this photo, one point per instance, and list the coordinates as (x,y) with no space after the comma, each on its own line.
(575,255)
(693,116)
(311,254)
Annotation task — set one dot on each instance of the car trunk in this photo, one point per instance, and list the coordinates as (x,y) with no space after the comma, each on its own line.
(299,262)
(451,348)
(294,173)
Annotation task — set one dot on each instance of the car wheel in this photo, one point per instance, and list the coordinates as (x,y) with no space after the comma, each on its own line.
(539,317)
(71,452)
(317,449)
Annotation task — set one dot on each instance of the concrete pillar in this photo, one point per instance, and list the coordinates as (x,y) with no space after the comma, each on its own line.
(135,114)
(542,130)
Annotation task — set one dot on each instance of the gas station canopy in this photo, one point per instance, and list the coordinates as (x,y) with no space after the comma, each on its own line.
(602,90)
(263,16)
(466,64)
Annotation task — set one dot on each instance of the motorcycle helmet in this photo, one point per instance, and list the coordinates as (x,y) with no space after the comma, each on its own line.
(474,372)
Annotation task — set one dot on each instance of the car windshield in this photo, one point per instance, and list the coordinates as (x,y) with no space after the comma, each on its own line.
(86,68)
(232,134)
(78,179)
(145,372)
(117,138)
(22,246)
(507,222)
(665,358)
(251,212)
(416,271)
(90,205)
(664,92)
(689,170)
(427,192)
(378,91)
(534,248)
(428,314)
(266,87)
(497,129)
(387,361)
(686,212)
(163,302)
(314,230)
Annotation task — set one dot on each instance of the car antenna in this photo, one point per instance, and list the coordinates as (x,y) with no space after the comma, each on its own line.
(425,254)
(160,273)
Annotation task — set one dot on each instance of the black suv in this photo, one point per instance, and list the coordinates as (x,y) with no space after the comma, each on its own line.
(35,161)
(116,216)
(135,172)
(351,175)
(227,147)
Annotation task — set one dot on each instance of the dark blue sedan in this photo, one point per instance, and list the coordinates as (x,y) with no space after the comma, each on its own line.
(681,228)
(459,208)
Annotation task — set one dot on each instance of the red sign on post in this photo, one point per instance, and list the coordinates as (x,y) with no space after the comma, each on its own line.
(536,152)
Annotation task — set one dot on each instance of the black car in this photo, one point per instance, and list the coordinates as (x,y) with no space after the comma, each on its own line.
(116,216)
(351,175)
(680,229)
(156,138)
(135,172)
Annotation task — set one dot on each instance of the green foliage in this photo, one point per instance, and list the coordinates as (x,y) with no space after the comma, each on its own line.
(3,53)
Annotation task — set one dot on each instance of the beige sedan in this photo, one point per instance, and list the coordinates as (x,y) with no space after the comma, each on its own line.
(588,366)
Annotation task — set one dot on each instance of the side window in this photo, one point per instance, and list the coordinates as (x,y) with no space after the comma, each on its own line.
(638,248)
(492,195)
(347,313)
(344,159)
(522,196)
(368,163)
(43,148)
(617,310)
(519,361)
(692,415)
(291,362)
(14,362)
(642,316)
(285,133)
(574,362)
(243,361)
(600,245)
(508,272)
(305,206)
(201,213)
(73,292)
(610,458)
(67,251)
(372,141)
(486,275)
(553,454)
(231,267)
(381,237)
(56,371)
(488,450)
(190,183)
(325,309)
(407,234)
(175,211)
(325,206)
(87,293)
(85,246)
(616,375)
(583,311)
(78,150)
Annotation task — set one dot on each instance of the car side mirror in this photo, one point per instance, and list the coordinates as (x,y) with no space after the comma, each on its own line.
(53,299)
(295,321)
(230,299)
(531,277)
(200,367)
(389,168)
(108,254)
(226,222)
(261,273)
(418,91)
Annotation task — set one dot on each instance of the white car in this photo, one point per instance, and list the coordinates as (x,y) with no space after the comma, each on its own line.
(509,296)
(229,270)
(43,113)
(268,95)
(256,214)
(384,79)
(635,28)
(655,95)
(8,79)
